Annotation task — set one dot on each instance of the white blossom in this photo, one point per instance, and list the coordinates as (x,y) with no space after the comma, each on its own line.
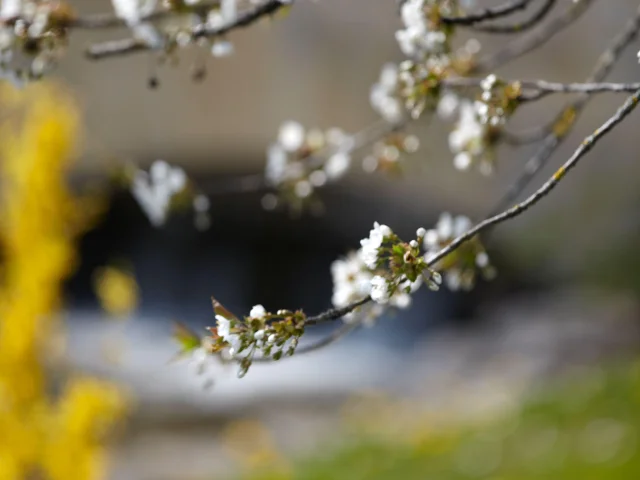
(291,136)
(132,11)
(337,165)
(154,190)
(369,251)
(351,280)
(460,272)
(289,166)
(416,39)
(468,141)
(257,312)
(380,290)
(384,96)
(448,106)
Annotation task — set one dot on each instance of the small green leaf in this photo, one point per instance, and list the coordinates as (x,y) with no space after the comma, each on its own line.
(187,339)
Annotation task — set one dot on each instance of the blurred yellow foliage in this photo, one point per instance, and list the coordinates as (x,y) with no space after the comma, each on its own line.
(117,291)
(42,435)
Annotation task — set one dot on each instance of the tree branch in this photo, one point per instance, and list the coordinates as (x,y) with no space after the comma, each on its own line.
(335,336)
(108,21)
(544,87)
(587,144)
(491,13)
(565,121)
(535,39)
(520,26)
(129,46)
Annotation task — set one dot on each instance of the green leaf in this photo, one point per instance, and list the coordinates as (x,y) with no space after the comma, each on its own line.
(187,339)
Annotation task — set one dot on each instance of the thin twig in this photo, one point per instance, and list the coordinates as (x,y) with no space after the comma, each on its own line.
(256,182)
(587,144)
(544,87)
(491,13)
(107,20)
(519,27)
(566,120)
(535,39)
(336,313)
(336,335)
(129,46)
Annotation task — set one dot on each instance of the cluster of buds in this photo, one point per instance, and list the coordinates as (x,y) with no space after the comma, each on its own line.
(33,36)
(399,266)
(165,187)
(460,266)
(387,153)
(236,340)
(301,161)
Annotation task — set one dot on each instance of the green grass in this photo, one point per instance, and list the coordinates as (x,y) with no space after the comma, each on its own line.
(585,429)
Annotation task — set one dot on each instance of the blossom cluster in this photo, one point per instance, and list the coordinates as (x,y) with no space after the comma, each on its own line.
(414,85)
(236,340)
(390,270)
(460,266)
(156,192)
(385,268)
(302,160)
(33,36)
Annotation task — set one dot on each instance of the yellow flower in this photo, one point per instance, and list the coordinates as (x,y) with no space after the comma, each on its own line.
(42,435)
(117,291)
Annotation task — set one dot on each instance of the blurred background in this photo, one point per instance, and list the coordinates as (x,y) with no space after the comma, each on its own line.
(459,385)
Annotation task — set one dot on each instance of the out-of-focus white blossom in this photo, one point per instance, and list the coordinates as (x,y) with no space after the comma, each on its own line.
(154,190)
(448,106)
(132,12)
(223,327)
(460,266)
(291,136)
(419,38)
(351,281)
(385,95)
(470,140)
(480,123)
(31,42)
(380,290)
(302,160)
